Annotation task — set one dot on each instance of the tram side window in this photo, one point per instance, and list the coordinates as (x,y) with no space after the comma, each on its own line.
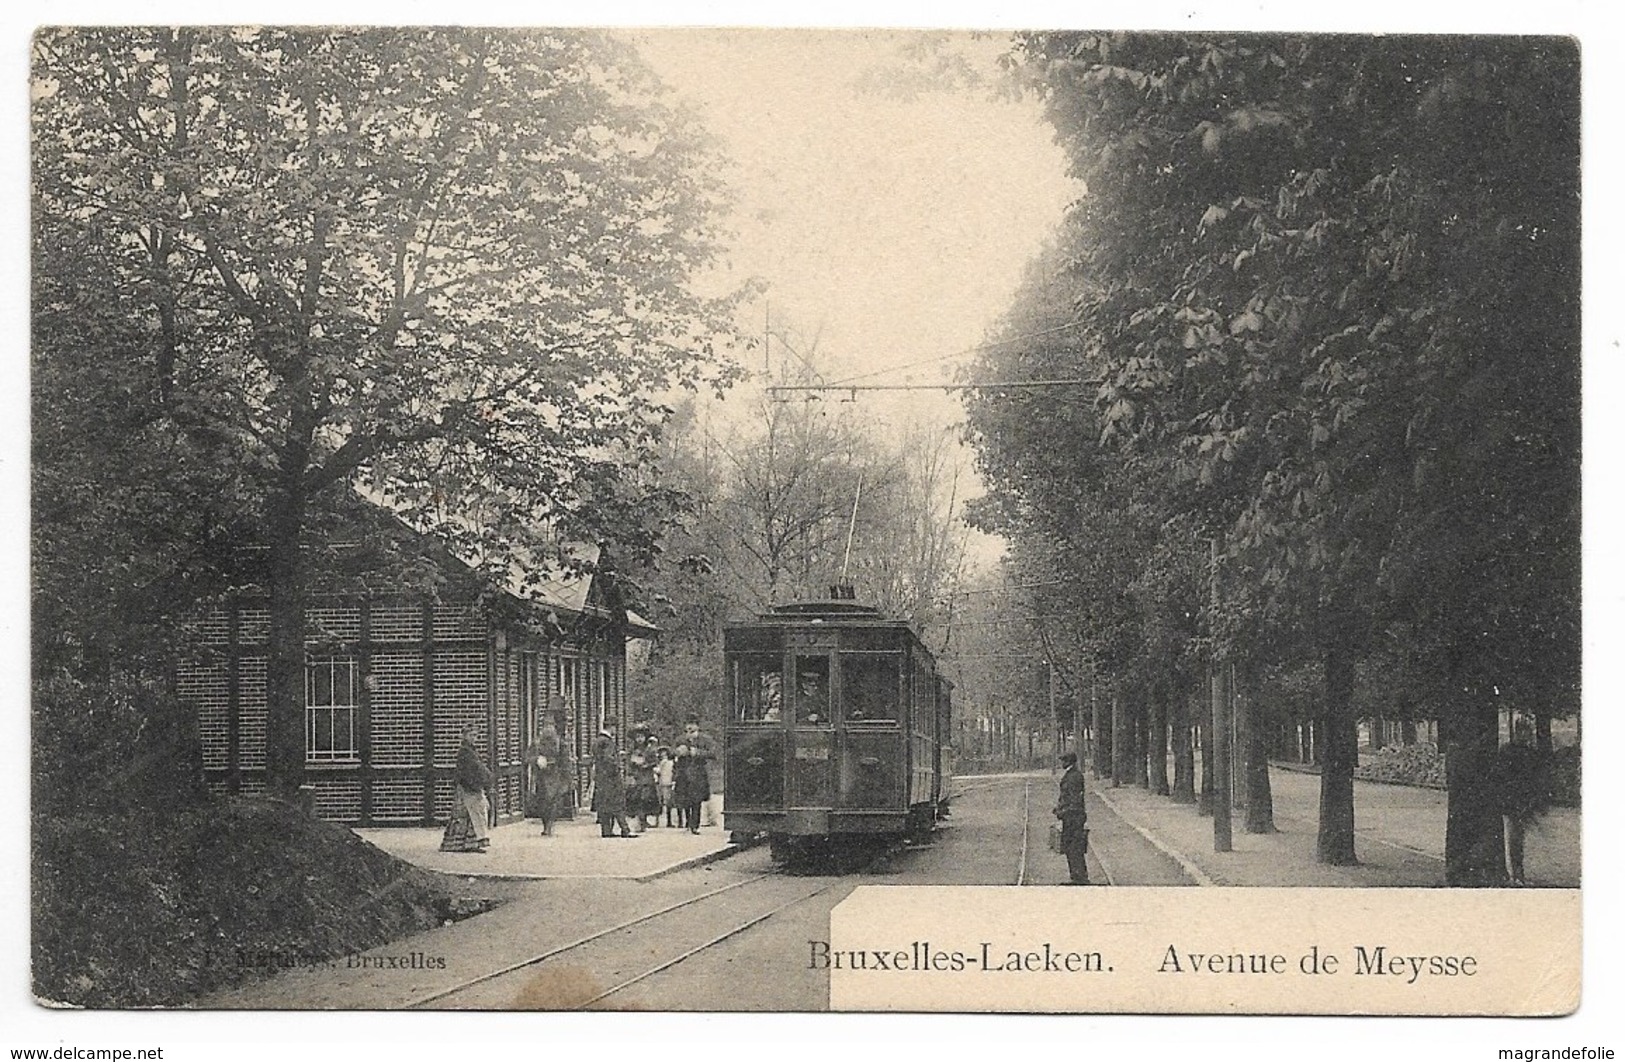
(758,688)
(869,685)
(812,691)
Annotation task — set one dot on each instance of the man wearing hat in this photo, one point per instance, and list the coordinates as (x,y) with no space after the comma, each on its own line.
(695,751)
(1069,808)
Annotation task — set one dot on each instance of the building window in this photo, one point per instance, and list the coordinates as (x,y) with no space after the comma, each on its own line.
(330,710)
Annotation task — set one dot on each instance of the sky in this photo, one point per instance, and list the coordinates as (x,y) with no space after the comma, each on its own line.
(888,231)
(898,227)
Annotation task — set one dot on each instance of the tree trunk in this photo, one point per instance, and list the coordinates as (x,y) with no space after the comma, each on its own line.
(1222,734)
(1184,789)
(1157,745)
(1103,737)
(1255,758)
(1119,740)
(1204,738)
(1340,738)
(285,666)
(1468,730)
(1543,734)
(1407,732)
(1137,737)
(1239,724)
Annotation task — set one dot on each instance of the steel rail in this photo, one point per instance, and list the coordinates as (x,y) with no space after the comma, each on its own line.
(1105,867)
(735,931)
(1026,829)
(580,943)
(713,942)
(979,786)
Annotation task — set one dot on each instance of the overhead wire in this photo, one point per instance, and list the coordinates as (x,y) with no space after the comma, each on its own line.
(957,354)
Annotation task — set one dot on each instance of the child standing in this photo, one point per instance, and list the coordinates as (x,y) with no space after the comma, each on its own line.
(665,780)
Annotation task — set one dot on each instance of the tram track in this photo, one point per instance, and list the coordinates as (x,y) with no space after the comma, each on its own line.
(582,942)
(1105,867)
(1100,861)
(449,997)
(1023,859)
(982,784)
(1026,831)
(500,987)
(720,938)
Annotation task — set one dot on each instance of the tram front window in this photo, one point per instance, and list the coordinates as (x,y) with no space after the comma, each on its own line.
(758,689)
(869,687)
(812,691)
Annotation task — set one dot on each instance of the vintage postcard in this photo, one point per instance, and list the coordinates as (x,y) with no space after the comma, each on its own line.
(589,518)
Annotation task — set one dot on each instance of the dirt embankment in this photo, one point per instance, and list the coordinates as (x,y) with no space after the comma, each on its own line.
(140,910)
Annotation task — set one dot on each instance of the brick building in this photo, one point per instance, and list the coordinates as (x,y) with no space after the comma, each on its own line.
(392,678)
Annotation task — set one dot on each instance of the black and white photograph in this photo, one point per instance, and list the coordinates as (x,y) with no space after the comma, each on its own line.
(546,517)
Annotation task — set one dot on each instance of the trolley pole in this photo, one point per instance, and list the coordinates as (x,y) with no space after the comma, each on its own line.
(1221,720)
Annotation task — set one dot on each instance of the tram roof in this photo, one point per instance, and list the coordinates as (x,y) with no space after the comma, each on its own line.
(839,610)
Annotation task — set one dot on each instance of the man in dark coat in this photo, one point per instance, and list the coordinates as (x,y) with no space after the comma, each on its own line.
(608,787)
(695,751)
(1523,791)
(1069,808)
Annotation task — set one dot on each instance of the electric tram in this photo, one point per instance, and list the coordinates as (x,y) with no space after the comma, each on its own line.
(839,727)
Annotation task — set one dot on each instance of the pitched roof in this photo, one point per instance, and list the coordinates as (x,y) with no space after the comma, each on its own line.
(570,591)
(537,582)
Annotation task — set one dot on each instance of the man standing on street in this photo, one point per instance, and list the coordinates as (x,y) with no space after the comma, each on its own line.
(1523,789)
(695,751)
(1074,817)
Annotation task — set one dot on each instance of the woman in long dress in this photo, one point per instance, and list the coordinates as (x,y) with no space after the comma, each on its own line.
(468,828)
(550,762)
(608,787)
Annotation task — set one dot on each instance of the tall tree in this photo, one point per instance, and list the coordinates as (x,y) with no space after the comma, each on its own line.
(1321,272)
(134,523)
(445,266)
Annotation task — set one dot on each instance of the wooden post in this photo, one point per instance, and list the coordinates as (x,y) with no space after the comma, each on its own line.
(1240,722)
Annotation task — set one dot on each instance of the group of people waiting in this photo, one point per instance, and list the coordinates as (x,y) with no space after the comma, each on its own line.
(652,780)
(468,827)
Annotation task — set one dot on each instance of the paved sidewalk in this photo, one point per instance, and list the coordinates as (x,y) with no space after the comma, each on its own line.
(1399,838)
(520,850)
